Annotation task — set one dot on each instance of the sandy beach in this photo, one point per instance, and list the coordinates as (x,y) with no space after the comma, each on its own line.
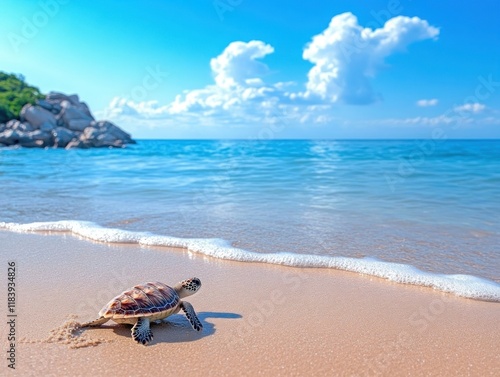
(318,182)
(258,319)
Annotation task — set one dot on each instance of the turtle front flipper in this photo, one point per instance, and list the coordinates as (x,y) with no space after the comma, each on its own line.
(95,323)
(191,315)
(141,332)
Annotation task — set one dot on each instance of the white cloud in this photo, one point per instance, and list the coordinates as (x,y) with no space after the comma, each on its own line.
(346,55)
(440,120)
(236,73)
(121,106)
(427,102)
(239,93)
(470,107)
(238,64)
(452,118)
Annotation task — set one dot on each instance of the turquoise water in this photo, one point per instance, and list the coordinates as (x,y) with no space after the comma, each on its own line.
(434,205)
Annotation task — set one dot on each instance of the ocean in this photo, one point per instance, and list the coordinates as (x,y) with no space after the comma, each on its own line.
(419,211)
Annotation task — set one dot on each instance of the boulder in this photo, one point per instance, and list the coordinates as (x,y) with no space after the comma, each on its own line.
(71,113)
(56,108)
(106,140)
(24,137)
(37,138)
(83,107)
(56,97)
(14,124)
(97,137)
(36,115)
(77,143)
(32,144)
(78,124)
(26,141)
(32,139)
(47,127)
(105,134)
(109,128)
(9,137)
(61,121)
(46,105)
(63,137)
(74,99)
(91,132)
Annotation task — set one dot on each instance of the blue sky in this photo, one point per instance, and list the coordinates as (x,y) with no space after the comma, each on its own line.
(255,69)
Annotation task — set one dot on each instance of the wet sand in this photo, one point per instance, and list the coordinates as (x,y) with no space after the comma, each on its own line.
(258,319)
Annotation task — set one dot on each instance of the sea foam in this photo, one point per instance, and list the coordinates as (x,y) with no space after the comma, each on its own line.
(461,285)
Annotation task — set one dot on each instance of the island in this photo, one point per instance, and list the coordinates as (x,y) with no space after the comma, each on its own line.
(55,120)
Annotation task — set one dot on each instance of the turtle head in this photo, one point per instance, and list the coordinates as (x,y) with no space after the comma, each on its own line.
(188,287)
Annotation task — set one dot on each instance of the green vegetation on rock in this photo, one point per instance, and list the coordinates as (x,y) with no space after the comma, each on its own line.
(14,94)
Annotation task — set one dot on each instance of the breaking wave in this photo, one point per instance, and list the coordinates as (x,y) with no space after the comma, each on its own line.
(461,285)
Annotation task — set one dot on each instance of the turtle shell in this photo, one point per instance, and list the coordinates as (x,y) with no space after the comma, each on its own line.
(143,300)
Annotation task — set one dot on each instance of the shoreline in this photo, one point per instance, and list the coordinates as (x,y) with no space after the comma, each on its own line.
(468,286)
(259,319)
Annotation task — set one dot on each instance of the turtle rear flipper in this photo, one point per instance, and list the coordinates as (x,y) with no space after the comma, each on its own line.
(141,332)
(191,315)
(96,323)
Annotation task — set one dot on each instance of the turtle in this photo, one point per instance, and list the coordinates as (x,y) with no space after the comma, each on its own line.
(148,302)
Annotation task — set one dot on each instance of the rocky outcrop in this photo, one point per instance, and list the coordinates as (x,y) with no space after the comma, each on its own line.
(61,121)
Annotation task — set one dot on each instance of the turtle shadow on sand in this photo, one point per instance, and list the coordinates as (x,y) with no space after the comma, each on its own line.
(176,329)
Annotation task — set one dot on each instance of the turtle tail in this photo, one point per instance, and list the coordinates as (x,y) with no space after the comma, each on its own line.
(95,323)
